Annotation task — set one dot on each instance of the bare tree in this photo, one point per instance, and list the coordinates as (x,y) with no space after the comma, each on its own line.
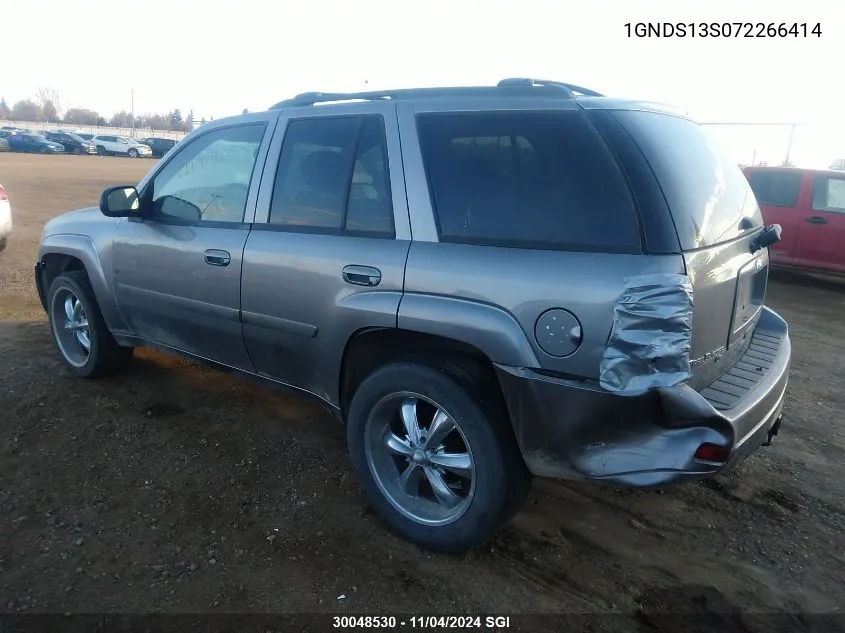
(50,101)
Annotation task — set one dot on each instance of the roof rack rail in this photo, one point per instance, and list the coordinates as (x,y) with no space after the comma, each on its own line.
(526,81)
(506,87)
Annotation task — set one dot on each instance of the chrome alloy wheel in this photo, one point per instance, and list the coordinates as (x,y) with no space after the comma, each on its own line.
(420,458)
(70,327)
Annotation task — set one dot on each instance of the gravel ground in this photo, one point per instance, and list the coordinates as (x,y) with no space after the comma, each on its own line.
(175,488)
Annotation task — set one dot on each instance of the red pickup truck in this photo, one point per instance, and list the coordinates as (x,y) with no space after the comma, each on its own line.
(809,204)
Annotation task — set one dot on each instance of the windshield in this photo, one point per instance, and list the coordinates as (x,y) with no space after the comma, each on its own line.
(707,193)
(76,138)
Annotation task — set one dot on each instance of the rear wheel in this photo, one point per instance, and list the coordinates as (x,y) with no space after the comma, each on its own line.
(81,335)
(439,469)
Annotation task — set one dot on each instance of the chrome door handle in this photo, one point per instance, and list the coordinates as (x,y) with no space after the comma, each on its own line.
(361,275)
(215,257)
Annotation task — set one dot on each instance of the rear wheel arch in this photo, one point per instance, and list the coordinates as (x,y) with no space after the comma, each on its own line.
(371,348)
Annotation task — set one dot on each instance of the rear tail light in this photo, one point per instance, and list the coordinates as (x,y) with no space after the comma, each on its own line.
(3,195)
(712,453)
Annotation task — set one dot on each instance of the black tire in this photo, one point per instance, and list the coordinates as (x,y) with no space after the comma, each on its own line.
(501,479)
(105,357)
(3,242)
(101,150)
(77,151)
(42,150)
(133,153)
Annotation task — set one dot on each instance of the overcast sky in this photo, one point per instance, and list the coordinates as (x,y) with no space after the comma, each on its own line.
(218,57)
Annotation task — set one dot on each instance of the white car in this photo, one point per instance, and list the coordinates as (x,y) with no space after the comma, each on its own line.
(122,145)
(5,218)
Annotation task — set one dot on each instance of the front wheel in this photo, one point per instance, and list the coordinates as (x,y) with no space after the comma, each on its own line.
(42,150)
(438,468)
(79,331)
(133,153)
(101,150)
(77,151)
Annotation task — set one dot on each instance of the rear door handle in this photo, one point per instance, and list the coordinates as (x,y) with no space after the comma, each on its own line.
(361,275)
(215,257)
(815,219)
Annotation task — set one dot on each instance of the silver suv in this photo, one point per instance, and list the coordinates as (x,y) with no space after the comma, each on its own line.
(481,283)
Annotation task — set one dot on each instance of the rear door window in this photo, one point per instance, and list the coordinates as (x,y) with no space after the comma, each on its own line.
(829,194)
(333,177)
(526,180)
(775,188)
(707,193)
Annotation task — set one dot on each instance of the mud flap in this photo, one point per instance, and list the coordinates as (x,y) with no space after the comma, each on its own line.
(649,342)
(775,428)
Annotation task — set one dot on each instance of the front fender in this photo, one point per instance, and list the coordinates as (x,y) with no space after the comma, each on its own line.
(490,329)
(99,274)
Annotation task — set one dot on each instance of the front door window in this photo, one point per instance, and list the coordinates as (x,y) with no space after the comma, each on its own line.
(209,178)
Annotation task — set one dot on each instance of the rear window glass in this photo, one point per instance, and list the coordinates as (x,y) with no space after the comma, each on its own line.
(775,188)
(527,180)
(707,193)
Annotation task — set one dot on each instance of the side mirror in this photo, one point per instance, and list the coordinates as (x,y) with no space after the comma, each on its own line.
(120,202)
(770,235)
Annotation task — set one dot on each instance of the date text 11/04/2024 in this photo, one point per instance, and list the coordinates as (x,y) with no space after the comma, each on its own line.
(723,29)
(429,622)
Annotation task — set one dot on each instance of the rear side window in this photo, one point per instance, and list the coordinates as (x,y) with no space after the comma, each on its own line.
(775,188)
(707,193)
(526,180)
(333,178)
(829,194)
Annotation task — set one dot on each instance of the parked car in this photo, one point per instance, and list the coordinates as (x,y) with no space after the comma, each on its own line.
(27,142)
(109,145)
(159,146)
(71,142)
(810,206)
(507,291)
(4,144)
(5,218)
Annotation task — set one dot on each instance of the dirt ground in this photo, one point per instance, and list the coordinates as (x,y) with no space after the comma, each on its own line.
(179,489)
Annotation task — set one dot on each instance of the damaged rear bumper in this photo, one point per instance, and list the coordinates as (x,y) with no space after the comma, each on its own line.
(577,430)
